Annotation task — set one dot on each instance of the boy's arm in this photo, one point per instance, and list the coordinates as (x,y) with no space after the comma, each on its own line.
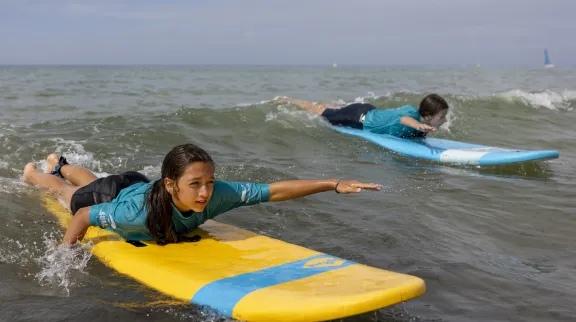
(408,121)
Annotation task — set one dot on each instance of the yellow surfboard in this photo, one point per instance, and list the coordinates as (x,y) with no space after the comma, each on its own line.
(251,277)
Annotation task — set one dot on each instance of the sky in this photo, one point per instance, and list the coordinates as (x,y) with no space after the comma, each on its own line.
(372,32)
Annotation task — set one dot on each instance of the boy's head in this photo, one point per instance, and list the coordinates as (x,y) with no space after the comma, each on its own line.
(433,110)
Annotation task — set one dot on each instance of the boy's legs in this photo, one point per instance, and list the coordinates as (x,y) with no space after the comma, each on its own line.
(316,108)
(351,115)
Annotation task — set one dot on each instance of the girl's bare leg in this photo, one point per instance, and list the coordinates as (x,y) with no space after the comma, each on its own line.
(45,180)
(78,176)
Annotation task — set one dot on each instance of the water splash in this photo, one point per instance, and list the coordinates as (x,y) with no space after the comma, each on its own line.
(60,262)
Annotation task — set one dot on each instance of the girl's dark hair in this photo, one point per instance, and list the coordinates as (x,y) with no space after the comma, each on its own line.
(432,104)
(159,201)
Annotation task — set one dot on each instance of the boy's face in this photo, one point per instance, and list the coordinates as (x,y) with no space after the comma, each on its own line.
(437,119)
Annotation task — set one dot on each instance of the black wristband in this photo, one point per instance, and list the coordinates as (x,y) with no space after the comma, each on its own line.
(336,186)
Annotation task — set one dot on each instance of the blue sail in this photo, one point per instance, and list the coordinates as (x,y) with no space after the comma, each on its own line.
(546,58)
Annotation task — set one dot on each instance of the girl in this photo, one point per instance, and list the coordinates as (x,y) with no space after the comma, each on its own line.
(166,209)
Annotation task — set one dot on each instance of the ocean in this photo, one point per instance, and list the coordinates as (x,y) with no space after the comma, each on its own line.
(492,243)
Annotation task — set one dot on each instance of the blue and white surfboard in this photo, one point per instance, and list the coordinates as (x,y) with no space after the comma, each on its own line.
(448,151)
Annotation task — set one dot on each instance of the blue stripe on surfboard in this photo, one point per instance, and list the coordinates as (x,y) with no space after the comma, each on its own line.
(223,295)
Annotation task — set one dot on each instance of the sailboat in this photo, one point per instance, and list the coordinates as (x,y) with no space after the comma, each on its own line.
(547,63)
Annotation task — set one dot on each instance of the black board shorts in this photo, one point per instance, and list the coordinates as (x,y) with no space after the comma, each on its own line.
(104,190)
(350,116)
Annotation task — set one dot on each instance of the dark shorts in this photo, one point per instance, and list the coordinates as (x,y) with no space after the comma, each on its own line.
(104,190)
(351,115)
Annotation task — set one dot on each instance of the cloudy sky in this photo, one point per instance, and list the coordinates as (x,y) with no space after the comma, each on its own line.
(382,32)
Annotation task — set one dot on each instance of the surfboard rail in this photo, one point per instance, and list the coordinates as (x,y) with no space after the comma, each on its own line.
(448,151)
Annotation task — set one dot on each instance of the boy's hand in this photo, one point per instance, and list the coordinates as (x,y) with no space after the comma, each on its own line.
(353,186)
(426,128)
(408,121)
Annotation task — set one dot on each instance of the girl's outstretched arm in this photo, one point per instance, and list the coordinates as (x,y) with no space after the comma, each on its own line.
(286,190)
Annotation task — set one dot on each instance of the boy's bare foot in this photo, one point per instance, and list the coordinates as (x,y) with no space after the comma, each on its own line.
(51,162)
(28,169)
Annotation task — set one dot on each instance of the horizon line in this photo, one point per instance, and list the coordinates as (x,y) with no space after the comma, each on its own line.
(269,65)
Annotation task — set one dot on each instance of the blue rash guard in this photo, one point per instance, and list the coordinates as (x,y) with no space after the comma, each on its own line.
(387,121)
(126,214)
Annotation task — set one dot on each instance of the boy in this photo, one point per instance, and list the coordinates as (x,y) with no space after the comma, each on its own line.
(405,121)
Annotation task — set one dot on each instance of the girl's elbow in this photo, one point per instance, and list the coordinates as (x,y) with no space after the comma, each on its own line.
(82,216)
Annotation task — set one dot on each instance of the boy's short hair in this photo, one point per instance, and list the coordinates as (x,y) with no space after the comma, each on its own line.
(432,104)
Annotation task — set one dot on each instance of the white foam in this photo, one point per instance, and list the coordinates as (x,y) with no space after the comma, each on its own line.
(547,99)
(151,171)
(361,99)
(69,145)
(75,153)
(259,103)
(450,117)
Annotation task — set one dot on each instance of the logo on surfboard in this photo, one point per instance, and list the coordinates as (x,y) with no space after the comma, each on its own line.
(324,262)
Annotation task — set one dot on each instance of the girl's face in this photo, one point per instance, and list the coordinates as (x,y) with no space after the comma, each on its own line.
(194,188)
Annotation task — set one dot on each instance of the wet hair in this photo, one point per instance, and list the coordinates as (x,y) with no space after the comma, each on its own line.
(432,104)
(159,201)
